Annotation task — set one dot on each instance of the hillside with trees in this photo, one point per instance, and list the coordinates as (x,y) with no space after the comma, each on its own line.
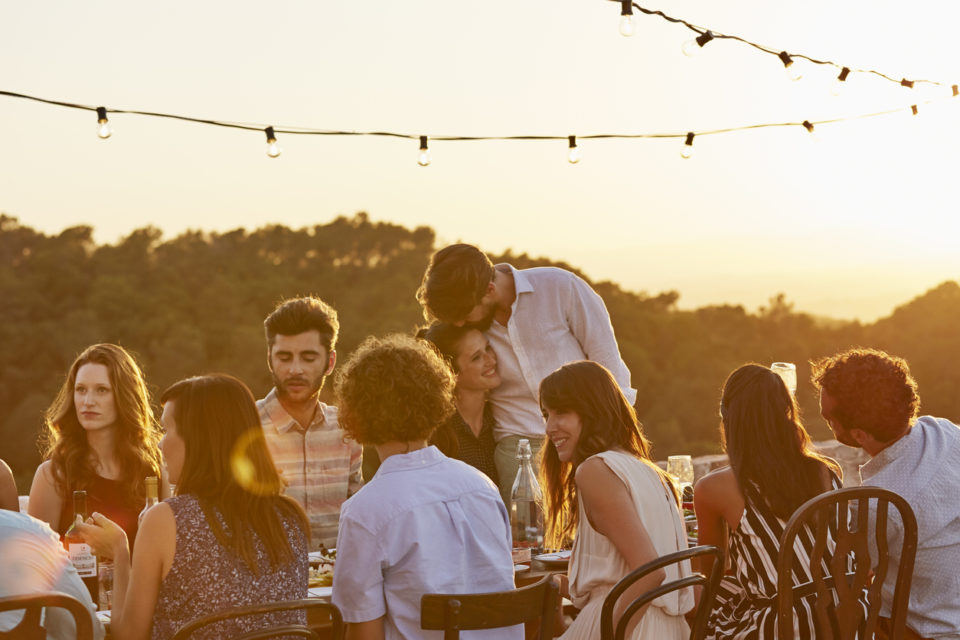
(195,304)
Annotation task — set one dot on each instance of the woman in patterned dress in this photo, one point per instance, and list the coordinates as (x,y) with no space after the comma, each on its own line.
(228,538)
(773,470)
(602,488)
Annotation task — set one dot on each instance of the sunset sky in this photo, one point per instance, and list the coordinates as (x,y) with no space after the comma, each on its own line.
(848,223)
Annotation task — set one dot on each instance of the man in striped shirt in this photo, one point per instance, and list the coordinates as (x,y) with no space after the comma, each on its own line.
(319,464)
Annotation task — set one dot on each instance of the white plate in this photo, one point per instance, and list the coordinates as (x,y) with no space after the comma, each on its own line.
(557,557)
(320,592)
(317,557)
(520,568)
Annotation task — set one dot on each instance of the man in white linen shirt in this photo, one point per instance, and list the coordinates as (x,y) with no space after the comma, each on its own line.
(536,320)
(32,560)
(425,523)
(870,401)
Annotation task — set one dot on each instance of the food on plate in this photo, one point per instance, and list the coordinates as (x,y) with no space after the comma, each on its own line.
(321,576)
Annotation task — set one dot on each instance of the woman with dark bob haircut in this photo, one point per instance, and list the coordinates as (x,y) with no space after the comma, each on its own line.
(425,523)
(603,490)
(773,470)
(100,436)
(228,537)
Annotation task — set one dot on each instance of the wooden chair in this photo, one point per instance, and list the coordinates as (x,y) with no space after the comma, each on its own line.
(30,628)
(838,593)
(710,584)
(309,605)
(456,612)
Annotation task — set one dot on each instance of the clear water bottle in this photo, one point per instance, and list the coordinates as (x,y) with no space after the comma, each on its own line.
(526,508)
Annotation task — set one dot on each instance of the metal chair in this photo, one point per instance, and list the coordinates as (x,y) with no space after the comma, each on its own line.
(838,606)
(699,628)
(309,605)
(30,628)
(456,612)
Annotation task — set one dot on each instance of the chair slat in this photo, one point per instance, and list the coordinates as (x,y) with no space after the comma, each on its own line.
(29,627)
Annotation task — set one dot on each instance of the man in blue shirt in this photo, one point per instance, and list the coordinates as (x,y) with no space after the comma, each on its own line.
(870,401)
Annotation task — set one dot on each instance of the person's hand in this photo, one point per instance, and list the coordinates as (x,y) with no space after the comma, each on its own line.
(106,537)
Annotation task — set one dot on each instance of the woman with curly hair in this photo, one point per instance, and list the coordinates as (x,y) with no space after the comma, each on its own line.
(425,523)
(603,490)
(468,433)
(228,538)
(100,437)
(773,470)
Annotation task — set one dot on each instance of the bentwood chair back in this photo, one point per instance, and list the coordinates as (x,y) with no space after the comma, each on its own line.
(845,515)
(310,605)
(456,612)
(30,627)
(699,628)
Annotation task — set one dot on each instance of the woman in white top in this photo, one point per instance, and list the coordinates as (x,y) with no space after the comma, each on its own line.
(602,488)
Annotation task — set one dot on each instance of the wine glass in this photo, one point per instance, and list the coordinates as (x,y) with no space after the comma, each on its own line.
(787,371)
(680,468)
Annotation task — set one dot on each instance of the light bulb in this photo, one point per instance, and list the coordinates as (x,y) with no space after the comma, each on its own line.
(790,67)
(573,153)
(810,129)
(626,25)
(273,147)
(423,157)
(686,151)
(104,130)
(692,47)
(838,87)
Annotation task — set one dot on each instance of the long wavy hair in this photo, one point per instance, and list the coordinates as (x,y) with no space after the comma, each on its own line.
(769,449)
(608,422)
(136,438)
(228,468)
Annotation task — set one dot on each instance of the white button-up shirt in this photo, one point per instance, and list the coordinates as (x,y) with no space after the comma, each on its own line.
(556,318)
(425,524)
(924,468)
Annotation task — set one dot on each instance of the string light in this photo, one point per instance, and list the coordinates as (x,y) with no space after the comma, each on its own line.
(573,153)
(273,148)
(808,126)
(841,82)
(956,90)
(423,158)
(792,70)
(692,47)
(914,110)
(626,18)
(104,130)
(907,83)
(686,151)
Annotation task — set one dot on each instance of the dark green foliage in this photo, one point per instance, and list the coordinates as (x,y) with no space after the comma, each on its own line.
(195,304)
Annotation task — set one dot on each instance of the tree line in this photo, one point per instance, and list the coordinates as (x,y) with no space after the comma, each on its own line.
(195,304)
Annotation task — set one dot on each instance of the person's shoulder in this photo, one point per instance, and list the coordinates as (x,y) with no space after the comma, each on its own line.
(22,523)
(718,482)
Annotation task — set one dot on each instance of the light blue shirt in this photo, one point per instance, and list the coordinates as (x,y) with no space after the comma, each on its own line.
(924,468)
(32,560)
(555,318)
(425,524)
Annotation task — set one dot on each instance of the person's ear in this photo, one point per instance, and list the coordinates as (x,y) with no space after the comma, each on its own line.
(331,362)
(269,359)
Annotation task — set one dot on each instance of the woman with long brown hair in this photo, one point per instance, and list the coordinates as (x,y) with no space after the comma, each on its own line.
(773,470)
(227,538)
(101,437)
(603,490)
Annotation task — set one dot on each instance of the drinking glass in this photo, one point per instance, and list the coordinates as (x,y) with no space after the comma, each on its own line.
(787,371)
(105,574)
(680,468)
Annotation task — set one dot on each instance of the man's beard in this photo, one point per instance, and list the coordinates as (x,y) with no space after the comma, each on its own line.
(313,386)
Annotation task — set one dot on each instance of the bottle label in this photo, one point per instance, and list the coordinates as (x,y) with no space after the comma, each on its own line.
(83,560)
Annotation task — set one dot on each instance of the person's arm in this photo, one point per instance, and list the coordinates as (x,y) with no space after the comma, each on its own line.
(136,588)
(719,506)
(355,481)
(611,512)
(45,503)
(589,323)
(8,489)
(370,630)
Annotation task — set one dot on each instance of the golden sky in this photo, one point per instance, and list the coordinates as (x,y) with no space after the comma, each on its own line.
(849,224)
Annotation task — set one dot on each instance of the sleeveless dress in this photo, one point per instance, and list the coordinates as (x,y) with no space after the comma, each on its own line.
(596,565)
(206,577)
(746,601)
(107,497)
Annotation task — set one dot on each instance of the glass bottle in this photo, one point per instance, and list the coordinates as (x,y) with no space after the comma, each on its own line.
(526,508)
(152,494)
(81,554)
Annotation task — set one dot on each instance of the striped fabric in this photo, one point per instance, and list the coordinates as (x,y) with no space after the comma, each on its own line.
(320,465)
(746,602)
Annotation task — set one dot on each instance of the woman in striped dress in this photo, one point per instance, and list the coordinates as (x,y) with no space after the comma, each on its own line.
(773,470)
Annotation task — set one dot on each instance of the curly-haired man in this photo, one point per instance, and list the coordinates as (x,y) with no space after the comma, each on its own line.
(425,523)
(536,320)
(870,401)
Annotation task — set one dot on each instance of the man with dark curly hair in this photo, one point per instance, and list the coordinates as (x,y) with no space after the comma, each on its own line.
(870,401)
(536,321)
(425,523)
